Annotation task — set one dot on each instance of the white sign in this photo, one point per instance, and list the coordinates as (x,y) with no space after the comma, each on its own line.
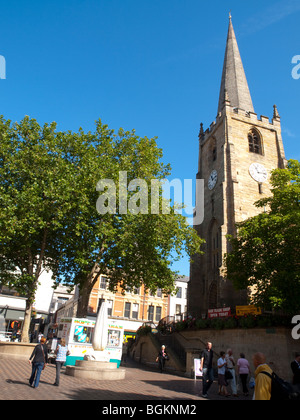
(197,371)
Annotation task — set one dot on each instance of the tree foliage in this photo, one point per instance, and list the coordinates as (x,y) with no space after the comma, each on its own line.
(49,220)
(265,253)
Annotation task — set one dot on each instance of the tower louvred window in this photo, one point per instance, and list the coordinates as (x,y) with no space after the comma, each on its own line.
(254,142)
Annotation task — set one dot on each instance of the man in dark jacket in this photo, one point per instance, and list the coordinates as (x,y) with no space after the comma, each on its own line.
(38,359)
(206,367)
(295,365)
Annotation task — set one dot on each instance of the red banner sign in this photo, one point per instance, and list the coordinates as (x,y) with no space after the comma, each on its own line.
(219,313)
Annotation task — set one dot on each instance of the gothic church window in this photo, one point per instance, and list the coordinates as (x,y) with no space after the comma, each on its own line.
(255,143)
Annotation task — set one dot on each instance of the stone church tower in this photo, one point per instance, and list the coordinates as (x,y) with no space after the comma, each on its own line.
(236,156)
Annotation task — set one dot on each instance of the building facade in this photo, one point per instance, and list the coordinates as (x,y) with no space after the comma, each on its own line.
(177,307)
(236,156)
(132,308)
(46,302)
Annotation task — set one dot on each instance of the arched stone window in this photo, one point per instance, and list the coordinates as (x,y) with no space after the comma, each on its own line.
(255,143)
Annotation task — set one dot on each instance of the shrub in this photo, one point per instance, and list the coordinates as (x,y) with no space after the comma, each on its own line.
(144,330)
(247,321)
(201,323)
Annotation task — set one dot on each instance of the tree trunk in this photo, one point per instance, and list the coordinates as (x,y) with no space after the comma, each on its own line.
(85,290)
(27,320)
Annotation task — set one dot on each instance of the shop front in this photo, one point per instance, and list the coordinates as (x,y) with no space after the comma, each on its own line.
(11,323)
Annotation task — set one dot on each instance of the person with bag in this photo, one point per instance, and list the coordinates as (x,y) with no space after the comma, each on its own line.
(231,378)
(221,375)
(38,360)
(263,383)
(61,357)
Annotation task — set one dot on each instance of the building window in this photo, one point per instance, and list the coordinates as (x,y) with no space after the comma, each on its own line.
(159,293)
(158,314)
(150,313)
(255,145)
(135,311)
(109,307)
(136,290)
(178,309)
(179,293)
(103,281)
(127,310)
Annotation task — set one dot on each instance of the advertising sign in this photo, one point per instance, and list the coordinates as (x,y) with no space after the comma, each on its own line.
(219,313)
(248,310)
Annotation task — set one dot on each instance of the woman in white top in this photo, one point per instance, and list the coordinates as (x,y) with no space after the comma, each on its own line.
(221,375)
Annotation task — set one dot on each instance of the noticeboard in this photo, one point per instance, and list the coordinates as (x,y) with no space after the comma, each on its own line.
(248,310)
(197,371)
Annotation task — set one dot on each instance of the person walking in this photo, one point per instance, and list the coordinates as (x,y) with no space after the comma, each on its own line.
(38,360)
(206,367)
(61,357)
(243,371)
(221,375)
(161,358)
(263,383)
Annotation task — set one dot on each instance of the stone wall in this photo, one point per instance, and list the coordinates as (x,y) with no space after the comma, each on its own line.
(18,350)
(276,343)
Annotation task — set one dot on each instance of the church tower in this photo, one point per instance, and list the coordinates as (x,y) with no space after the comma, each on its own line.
(236,156)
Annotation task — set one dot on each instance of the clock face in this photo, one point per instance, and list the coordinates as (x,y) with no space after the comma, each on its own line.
(258,172)
(212,180)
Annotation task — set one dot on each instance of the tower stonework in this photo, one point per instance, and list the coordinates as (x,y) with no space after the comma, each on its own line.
(236,156)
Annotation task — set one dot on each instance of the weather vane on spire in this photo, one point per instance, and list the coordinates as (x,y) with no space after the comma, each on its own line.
(230,15)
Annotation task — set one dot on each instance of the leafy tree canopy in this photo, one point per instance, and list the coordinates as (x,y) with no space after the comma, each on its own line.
(49,220)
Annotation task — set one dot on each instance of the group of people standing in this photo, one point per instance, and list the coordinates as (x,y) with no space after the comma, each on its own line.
(228,369)
(39,360)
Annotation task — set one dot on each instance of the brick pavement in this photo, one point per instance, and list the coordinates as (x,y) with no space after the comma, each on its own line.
(140,383)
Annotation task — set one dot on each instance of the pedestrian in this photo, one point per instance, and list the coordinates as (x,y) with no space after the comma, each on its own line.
(221,375)
(206,367)
(230,366)
(61,357)
(161,358)
(295,366)
(243,371)
(38,360)
(263,383)
(124,351)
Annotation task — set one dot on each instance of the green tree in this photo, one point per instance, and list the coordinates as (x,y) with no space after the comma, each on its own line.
(265,253)
(49,220)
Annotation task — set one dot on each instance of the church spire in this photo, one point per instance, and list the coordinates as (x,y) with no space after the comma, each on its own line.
(234,83)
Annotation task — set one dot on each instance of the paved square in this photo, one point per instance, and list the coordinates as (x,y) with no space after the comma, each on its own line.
(140,383)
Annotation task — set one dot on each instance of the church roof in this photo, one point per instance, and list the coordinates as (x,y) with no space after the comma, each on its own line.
(234,86)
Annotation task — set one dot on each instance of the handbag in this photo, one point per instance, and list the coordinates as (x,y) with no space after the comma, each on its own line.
(44,357)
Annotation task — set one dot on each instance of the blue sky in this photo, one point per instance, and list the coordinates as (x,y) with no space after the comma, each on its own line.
(151,65)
